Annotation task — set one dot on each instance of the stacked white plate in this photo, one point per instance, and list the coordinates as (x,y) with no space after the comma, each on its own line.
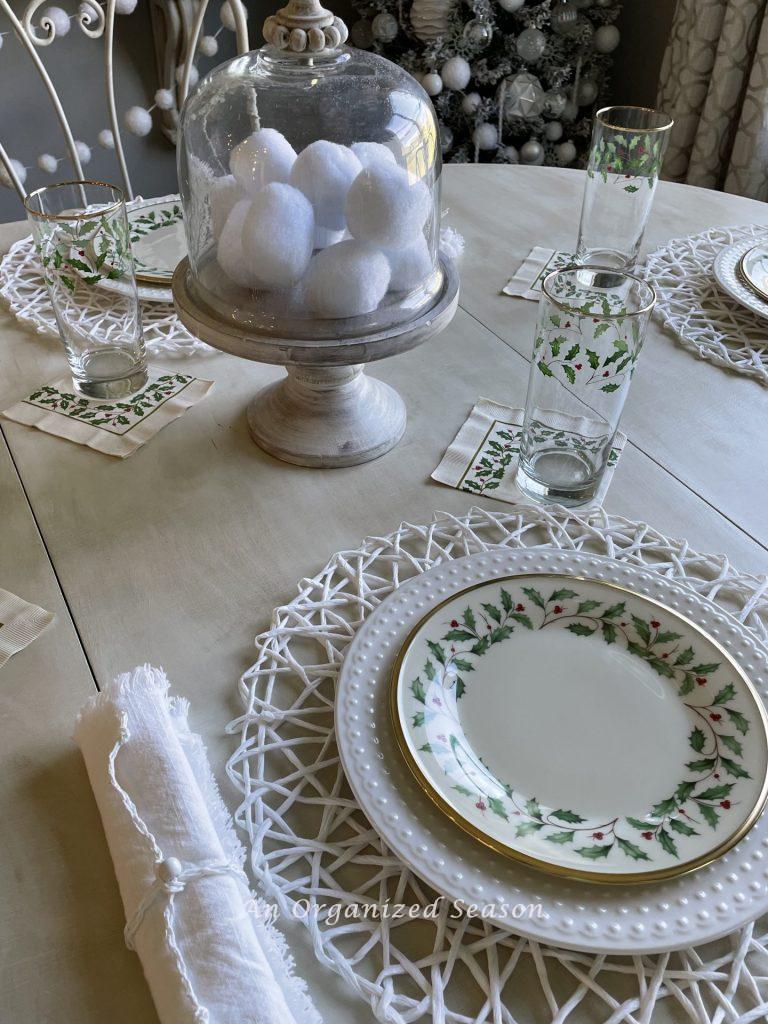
(741,270)
(576,746)
(158,244)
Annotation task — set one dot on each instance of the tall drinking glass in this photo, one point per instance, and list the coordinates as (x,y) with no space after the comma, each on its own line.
(591,327)
(628,146)
(82,237)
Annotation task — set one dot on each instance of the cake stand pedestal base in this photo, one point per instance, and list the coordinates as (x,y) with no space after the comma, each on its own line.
(327,416)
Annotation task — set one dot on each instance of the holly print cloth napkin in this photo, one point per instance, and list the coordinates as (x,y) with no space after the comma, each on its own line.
(20,624)
(526,282)
(115,428)
(482,458)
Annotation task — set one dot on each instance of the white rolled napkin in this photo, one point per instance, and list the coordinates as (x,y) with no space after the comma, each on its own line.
(205,942)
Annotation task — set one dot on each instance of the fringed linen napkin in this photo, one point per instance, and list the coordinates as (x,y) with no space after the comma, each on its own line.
(20,624)
(207,949)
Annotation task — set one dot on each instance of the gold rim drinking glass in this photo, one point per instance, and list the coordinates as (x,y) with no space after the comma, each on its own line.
(591,327)
(625,159)
(83,241)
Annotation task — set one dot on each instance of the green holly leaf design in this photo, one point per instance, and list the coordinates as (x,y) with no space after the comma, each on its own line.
(667,842)
(544,368)
(463,666)
(609,632)
(417,689)
(492,612)
(556,344)
(425,748)
(662,667)
(614,611)
(506,600)
(463,789)
(481,646)
(683,791)
(727,693)
(429,670)
(631,188)
(716,792)
(572,352)
(532,808)
(561,595)
(709,814)
(469,619)
(641,826)
(527,828)
(570,373)
(587,606)
(642,629)
(686,687)
(459,634)
(610,387)
(596,852)
(684,657)
(437,651)
(704,670)
(498,807)
(734,769)
(567,816)
(631,850)
(704,765)
(668,637)
(681,827)
(732,743)
(560,837)
(697,739)
(523,619)
(580,629)
(418,720)
(535,596)
(664,807)
(460,688)
(738,720)
(554,319)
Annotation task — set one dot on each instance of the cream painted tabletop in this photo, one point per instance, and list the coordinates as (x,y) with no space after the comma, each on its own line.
(178,554)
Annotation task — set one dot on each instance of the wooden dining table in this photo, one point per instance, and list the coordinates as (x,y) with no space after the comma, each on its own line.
(178,554)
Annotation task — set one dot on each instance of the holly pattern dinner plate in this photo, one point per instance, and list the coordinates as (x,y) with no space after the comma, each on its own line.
(157,238)
(581,727)
(754,268)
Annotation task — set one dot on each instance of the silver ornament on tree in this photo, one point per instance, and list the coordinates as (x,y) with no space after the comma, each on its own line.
(553,131)
(384,27)
(432,83)
(565,153)
(510,154)
(564,18)
(511,6)
(531,44)
(586,92)
(606,39)
(532,152)
(478,32)
(430,19)
(361,34)
(521,96)
(555,101)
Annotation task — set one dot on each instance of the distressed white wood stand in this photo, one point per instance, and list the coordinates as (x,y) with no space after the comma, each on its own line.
(327,411)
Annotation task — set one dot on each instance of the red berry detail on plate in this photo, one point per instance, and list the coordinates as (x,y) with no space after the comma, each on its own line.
(606,374)
(655,623)
(454,623)
(701,680)
(647,835)
(715,717)
(480,805)
(579,366)
(597,835)
(726,804)
(665,655)
(558,609)
(717,775)
(520,608)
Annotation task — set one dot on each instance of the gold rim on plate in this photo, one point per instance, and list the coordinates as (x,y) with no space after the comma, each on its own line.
(614,878)
(743,274)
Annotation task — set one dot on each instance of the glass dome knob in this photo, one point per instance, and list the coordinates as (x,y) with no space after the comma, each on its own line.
(303,27)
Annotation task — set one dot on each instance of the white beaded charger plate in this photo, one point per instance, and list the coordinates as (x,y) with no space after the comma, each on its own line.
(691,304)
(726,269)
(317,855)
(524,707)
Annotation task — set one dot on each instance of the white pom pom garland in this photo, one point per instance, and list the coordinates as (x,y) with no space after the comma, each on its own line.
(261,158)
(209,46)
(409,267)
(278,235)
(385,208)
(348,279)
(138,121)
(456,73)
(226,15)
(194,75)
(83,152)
(125,6)
(324,172)
(20,171)
(58,18)
(485,136)
(106,139)
(471,103)
(165,99)
(48,163)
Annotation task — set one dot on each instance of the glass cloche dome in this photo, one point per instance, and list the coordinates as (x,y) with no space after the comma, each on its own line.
(310,178)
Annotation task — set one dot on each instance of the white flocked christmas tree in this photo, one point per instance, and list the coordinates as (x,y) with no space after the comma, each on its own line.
(512,81)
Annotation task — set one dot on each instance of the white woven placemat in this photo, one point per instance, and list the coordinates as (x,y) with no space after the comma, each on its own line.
(703,318)
(312,846)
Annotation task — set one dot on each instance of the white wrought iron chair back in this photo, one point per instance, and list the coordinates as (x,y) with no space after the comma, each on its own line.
(35,31)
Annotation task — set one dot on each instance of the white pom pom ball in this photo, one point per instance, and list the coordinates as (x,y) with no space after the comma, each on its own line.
(164,99)
(125,6)
(606,39)
(485,136)
(369,153)
(224,193)
(586,92)
(510,6)
(432,83)
(58,18)
(227,17)
(83,152)
(471,103)
(410,266)
(278,235)
(20,171)
(324,172)
(138,121)
(262,158)
(194,75)
(229,252)
(106,139)
(565,153)
(385,208)
(553,131)
(48,163)
(209,46)
(456,73)
(349,279)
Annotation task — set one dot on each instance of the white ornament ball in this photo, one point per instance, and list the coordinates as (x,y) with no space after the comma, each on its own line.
(223,193)
(20,170)
(565,153)
(138,121)
(278,235)
(385,208)
(348,279)
(471,103)
(227,17)
(384,27)
(409,267)
(570,111)
(532,152)
(485,136)
(586,92)
(261,158)
(361,34)
(369,153)
(83,152)
(606,39)
(511,155)
(324,172)
(432,84)
(456,73)
(531,44)
(194,75)
(229,252)
(446,138)
(106,139)
(48,163)
(553,131)
(564,18)
(209,46)
(58,18)
(125,6)
(165,99)
(510,6)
